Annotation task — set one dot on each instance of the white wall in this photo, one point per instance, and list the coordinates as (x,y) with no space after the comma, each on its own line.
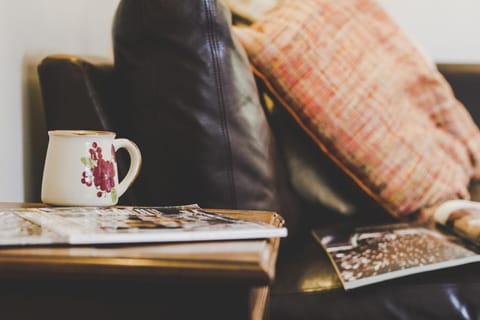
(448,30)
(29,30)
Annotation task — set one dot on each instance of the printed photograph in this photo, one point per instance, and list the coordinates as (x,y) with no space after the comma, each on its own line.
(372,252)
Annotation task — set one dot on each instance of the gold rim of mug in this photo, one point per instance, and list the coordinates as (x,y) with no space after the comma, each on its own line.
(80,133)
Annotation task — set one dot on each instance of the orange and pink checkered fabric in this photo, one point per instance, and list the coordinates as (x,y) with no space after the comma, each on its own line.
(369,98)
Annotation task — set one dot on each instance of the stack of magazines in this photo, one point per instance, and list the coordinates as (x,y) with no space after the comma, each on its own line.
(90,225)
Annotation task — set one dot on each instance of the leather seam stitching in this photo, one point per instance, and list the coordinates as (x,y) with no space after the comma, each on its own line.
(221,97)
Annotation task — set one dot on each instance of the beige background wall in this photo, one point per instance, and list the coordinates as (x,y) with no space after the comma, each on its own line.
(29,29)
(449,30)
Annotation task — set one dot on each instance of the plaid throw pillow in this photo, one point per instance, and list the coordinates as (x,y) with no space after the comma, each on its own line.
(369,98)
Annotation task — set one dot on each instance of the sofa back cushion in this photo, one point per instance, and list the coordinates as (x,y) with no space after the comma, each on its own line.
(368,98)
(194,109)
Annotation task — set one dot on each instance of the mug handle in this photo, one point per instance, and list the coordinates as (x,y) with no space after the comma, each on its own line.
(135,163)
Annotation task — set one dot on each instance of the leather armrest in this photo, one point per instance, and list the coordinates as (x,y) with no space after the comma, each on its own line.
(465,81)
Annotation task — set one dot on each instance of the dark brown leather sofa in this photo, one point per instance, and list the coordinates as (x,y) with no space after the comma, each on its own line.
(196,117)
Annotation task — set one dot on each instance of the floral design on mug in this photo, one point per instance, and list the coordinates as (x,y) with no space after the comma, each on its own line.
(99,172)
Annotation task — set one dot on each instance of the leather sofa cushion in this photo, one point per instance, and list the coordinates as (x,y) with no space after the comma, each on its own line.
(194,110)
(369,99)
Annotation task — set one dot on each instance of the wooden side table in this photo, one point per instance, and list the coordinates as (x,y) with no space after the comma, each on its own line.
(204,280)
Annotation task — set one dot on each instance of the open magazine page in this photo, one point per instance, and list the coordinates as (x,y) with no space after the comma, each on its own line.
(363,256)
(86,225)
(462,217)
(15,230)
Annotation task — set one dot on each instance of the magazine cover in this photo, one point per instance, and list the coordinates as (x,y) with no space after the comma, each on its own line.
(368,255)
(87,225)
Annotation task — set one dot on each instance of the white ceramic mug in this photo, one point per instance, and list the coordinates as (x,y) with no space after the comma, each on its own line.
(81,168)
